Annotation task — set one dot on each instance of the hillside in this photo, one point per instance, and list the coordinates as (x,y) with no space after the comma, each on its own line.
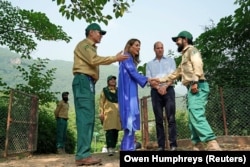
(63,73)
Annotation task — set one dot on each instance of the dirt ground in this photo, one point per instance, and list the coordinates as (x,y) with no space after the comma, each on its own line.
(68,160)
(56,160)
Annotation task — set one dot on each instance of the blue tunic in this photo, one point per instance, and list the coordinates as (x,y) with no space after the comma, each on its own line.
(128,94)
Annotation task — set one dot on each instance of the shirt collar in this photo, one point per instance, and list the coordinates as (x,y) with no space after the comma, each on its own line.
(188,46)
(163,57)
(92,43)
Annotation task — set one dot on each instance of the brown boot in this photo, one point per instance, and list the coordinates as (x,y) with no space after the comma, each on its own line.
(213,145)
(199,147)
(88,161)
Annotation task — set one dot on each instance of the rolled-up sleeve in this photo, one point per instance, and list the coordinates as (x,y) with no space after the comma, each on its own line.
(197,64)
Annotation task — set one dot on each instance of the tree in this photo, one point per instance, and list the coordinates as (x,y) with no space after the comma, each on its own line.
(225,49)
(91,10)
(19,29)
(39,80)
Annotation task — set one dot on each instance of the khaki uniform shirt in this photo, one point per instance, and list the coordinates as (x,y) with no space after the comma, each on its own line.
(62,109)
(87,61)
(190,68)
(110,112)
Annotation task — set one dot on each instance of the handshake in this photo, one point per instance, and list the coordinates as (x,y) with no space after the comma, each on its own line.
(161,88)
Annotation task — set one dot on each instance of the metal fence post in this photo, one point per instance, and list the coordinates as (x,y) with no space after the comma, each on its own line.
(144,122)
(223,112)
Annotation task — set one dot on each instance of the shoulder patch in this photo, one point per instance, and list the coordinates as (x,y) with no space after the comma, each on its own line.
(86,47)
(194,51)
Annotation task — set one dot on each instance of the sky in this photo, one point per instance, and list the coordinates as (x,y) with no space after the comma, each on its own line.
(147,20)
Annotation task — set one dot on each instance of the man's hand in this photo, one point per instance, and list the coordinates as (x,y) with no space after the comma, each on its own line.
(155,79)
(154,82)
(120,56)
(101,117)
(194,88)
(162,90)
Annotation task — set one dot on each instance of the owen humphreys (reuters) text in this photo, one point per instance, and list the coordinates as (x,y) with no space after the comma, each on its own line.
(181,159)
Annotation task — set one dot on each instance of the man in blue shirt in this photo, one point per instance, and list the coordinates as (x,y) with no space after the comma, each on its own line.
(163,96)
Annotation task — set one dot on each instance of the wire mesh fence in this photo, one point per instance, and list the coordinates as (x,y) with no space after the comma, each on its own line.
(227,112)
(19,125)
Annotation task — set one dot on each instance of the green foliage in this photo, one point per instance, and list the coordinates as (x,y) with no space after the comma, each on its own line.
(39,80)
(19,27)
(92,11)
(46,142)
(235,109)
(182,124)
(225,49)
(142,69)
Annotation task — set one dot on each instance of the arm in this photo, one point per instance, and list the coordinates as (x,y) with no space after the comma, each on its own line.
(88,54)
(197,64)
(132,71)
(174,75)
(101,106)
(57,110)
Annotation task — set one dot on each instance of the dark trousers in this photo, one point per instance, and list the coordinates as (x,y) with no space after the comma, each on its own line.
(168,102)
(61,130)
(111,138)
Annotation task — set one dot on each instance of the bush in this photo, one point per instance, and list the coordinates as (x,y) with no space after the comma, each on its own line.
(46,142)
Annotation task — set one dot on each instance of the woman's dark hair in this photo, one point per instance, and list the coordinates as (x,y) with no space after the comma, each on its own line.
(127,48)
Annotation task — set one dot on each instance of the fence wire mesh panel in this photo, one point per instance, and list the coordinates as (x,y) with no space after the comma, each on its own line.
(22,123)
(3,123)
(227,111)
(149,136)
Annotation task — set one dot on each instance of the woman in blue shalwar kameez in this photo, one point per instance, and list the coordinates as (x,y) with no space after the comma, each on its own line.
(128,99)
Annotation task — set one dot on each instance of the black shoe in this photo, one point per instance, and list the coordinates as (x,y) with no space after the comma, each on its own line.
(160,149)
(173,148)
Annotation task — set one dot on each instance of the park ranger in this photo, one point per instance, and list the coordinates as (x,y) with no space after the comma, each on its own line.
(192,76)
(86,74)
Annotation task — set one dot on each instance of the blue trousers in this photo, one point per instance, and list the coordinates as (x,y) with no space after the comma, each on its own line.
(128,141)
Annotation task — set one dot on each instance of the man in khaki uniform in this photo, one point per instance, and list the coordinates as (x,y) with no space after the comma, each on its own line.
(86,74)
(192,76)
(61,115)
(109,113)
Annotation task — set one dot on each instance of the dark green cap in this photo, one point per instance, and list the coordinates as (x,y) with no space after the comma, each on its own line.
(95,26)
(183,34)
(65,93)
(110,77)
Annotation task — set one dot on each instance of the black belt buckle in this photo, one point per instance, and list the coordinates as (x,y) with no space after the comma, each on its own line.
(202,81)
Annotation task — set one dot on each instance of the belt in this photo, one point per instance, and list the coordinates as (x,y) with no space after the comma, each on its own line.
(200,81)
(167,87)
(89,77)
